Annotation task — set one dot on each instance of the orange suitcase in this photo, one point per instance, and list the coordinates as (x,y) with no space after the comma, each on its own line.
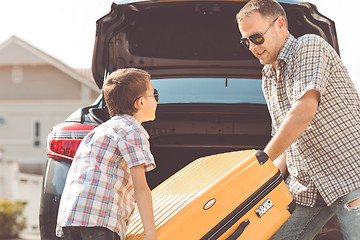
(234,195)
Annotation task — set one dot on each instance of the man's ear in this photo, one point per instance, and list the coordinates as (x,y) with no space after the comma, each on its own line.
(281,22)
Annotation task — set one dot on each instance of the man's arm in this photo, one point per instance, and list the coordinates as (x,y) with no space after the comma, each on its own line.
(144,201)
(295,123)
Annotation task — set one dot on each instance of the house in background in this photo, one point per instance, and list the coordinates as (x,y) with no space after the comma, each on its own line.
(36,92)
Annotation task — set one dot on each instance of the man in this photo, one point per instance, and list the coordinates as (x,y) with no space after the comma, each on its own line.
(315,112)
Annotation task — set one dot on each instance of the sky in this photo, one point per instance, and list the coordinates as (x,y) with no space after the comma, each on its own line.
(65,29)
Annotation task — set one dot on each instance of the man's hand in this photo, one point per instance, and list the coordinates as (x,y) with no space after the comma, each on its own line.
(280,163)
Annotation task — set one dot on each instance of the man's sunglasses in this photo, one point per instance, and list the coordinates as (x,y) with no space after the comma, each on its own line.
(257,38)
(155,95)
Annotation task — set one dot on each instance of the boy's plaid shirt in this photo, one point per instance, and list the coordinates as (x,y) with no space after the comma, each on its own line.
(99,190)
(326,157)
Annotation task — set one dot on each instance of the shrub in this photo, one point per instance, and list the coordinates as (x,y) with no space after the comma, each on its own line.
(12,219)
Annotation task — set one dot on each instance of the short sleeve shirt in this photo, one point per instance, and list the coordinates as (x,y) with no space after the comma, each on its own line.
(326,157)
(99,190)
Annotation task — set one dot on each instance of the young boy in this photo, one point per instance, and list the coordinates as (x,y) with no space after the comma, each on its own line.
(108,170)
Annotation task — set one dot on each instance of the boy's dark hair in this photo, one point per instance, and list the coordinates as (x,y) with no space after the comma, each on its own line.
(122,87)
(267,8)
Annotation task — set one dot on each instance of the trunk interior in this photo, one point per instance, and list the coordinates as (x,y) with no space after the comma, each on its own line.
(179,136)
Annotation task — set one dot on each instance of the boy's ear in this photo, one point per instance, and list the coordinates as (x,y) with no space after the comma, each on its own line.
(139,103)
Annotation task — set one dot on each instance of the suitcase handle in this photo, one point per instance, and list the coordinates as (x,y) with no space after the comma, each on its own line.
(239,230)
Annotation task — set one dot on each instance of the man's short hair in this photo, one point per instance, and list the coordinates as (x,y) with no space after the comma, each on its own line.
(267,8)
(121,89)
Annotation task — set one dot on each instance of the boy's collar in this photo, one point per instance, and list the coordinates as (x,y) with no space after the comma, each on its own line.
(133,120)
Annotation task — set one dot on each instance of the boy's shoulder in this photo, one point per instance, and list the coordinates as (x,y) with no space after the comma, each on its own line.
(121,121)
(124,124)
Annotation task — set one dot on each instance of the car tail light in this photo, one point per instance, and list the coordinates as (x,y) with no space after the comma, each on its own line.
(64,139)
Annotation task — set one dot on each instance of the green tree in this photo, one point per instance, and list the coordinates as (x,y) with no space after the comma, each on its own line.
(12,219)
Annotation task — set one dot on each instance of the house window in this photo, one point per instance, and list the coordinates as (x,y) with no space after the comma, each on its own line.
(2,121)
(37,141)
(17,74)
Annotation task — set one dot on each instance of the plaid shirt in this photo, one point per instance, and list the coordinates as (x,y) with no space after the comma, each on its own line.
(99,190)
(326,157)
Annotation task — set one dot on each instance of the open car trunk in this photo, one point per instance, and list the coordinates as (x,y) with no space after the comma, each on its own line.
(183,38)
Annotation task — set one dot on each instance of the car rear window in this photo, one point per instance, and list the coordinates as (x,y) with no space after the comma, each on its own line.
(209,90)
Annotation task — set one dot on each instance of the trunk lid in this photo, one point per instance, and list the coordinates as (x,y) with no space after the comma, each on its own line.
(173,39)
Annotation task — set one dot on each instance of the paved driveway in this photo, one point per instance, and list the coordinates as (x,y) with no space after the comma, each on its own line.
(27,237)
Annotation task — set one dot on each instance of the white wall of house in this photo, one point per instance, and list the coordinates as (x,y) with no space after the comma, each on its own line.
(17,186)
(8,185)
(29,186)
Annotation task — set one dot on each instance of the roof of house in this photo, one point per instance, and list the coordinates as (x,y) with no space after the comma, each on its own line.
(16,51)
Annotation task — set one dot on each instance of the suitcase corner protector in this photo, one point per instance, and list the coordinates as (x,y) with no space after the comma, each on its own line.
(262,157)
(291,207)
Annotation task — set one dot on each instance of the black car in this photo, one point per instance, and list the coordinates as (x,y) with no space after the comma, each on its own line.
(210,86)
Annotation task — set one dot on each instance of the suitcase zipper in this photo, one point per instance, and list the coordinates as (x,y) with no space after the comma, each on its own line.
(243,208)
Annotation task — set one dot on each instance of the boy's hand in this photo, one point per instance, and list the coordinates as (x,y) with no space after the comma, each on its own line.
(144,201)
(151,237)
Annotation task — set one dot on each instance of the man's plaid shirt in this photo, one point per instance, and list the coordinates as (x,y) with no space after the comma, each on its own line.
(99,190)
(326,157)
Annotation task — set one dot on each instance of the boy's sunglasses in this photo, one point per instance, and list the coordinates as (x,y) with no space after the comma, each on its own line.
(155,95)
(257,38)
